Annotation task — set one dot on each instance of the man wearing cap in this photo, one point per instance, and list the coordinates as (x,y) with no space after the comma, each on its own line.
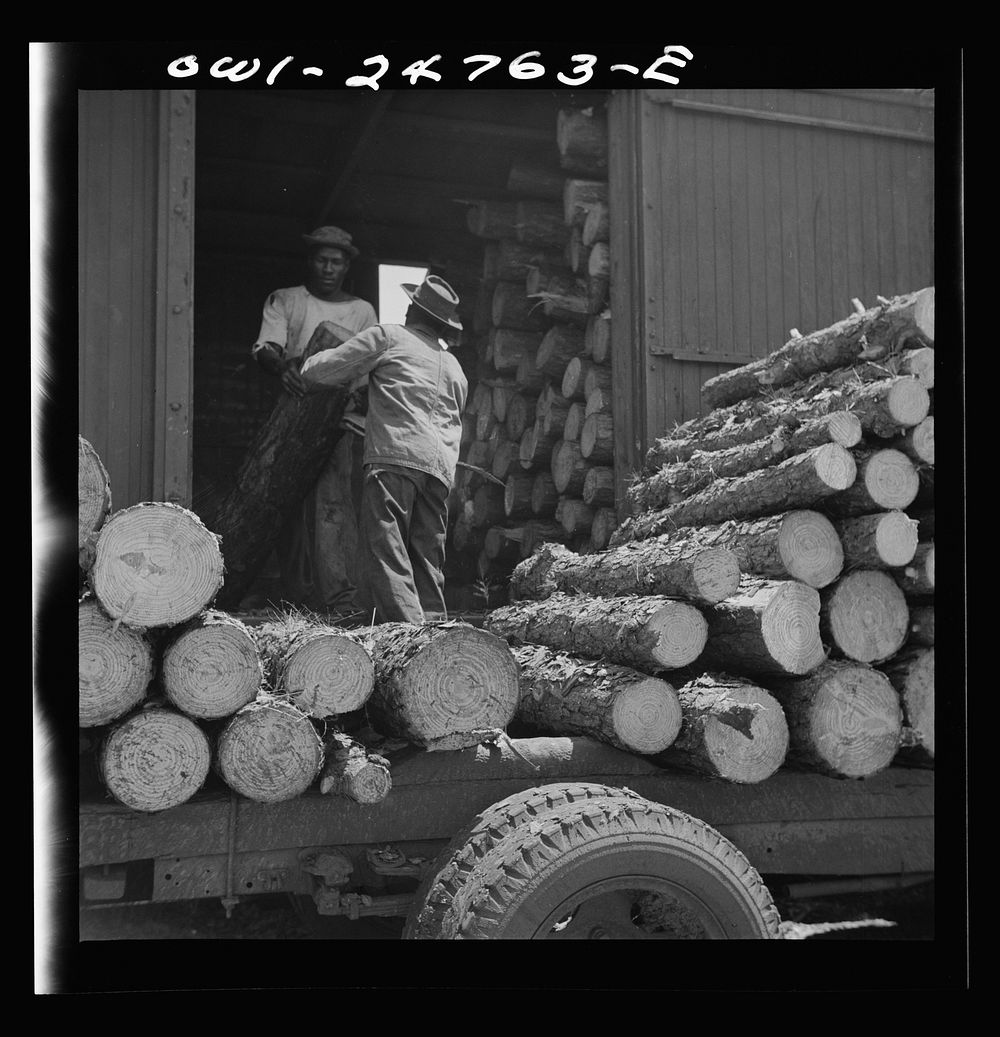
(317,547)
(417,392)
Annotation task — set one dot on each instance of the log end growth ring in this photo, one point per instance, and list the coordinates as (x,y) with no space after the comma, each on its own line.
(834,466)
(715,573)
(790,626)
(679,633)
(94,492)
(908,402)
(748,758)
(891,480)
(844,428)
(896,538)
(810,548)
(918,699)
(116,667)
(328,673)
(867,616)
(646,716)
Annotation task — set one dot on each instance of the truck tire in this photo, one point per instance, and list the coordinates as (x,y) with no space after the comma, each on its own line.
(455,863)
(613,868)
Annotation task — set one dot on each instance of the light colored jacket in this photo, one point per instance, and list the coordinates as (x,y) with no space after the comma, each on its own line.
(416,394)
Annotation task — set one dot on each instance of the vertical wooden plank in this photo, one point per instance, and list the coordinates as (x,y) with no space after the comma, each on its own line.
(724,338)
(838,227)
(807,206)
(706,220)
(742,168)
(775,331)
(756,247)
(853,201)
(656,127)
(821,143)
(791,292)
(688,248)
(902,208)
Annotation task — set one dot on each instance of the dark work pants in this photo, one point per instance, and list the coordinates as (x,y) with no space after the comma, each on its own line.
(404,522)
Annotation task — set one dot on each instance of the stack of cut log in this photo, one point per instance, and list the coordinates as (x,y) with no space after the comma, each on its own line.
(798,524)
(536,461)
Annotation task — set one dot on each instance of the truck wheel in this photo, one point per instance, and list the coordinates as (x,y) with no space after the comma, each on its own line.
(455,863)
(613,868)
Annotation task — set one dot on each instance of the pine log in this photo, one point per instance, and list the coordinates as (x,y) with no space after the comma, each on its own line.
(354,772)
(599,401)
(502,544)
(731,729)
(864,616)
(912,675)
(921,626)
(528,378)
(577,254)
(579,197)
(886,481)
(650,633)
(604,524)
(513,309)
(211,666)
(599,487)
(116,666)
(551,413)
(599,262)
(673,482)
(597,439)
(843,720)
(574,379)
(441,685)
(94,499)
(582,140)
(537,532)
(269,751)
(280,466)
(156,565)
(510,346)
(880,540)
(800,481)
(569,468)
(506,460)
(574,515)
(466,537)
(544,495)
(492,219)
(545,278)
(598,376)
(568,301)
(487,505)
(535,448)
(535,181)
(541,223)
(482,318)
(904,320)
(562,342)
(480,399)
(154,759)
(703,575)
(597,225)
(916,579)
(918,442)
(520,410)
(324,671)
(919,364)
(509,260)
(597,339)
(567,695)
(517,495)
(573,424)
(766,627)
(486,422)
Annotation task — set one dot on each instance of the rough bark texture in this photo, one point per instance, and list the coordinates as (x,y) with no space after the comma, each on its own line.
(843,719)
(354,772)
(801,481)
(574,422)
(535,448)
(916,579)
(517,495)
(877,541)
(540,222)
(520,412)
(597,338)
(906,320)
(864,616)
(510,346)
(597,439)
(535,181)
(579,197)
(598,377)
(94,498)
(116,666)
(492,219)
(599,487)
(544,495)
(156,565)
(211,666)
(604,524)
(541,532)
(569,468)
(731,729)
(506,461)
(766,627)
(441,681)
(574,515)
(566,695)
(912,675)
(513,309)
(649,633)
(582,140)
(562,342)
(886,481)
(922,626)
(529,379)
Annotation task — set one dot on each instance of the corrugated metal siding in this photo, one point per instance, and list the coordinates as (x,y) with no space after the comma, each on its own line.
(118,140)
(752,227)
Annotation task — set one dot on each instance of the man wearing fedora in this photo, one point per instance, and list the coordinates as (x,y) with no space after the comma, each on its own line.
(417,392)
(317,548)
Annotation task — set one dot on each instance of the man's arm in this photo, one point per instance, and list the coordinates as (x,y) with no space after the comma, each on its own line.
(356,357)
(269,349)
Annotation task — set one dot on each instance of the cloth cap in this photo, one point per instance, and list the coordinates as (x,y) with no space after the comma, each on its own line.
(334,237)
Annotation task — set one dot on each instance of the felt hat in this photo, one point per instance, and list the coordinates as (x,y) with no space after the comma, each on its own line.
(332,237)
(437,297)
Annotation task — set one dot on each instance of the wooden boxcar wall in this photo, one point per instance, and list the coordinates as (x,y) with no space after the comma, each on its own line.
(738,215)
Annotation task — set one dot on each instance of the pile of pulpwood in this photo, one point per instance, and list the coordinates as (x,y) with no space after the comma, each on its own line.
(537,438)
(174,691)
(776,572)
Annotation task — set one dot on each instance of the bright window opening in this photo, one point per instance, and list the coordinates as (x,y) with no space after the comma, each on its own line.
(392,300)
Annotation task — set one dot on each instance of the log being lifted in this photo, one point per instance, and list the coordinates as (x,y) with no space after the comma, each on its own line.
(674,482)
(731,729)
(94,499)
(800,481)
(906,320)
(886,481)
(865,616)
(280,466)
(154,759)
(269,751)
(325,671)
(843,719)
(441,685)
(912,675)
(116,666)
(354,772)
(156,565)
(766,627)
(879,540)
(650,633)
(211,666)
(916,579)
(701,574)
(564,694)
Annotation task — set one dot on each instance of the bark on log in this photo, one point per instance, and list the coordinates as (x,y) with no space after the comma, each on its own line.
(506,460)
(280,466)
(703,575)
(598,377)
(574,515)
(800,481)
(650,633)
(540,531)
(441,685)
(510,346)
(674,482)
(535,448)
(562,342)
(552,417)
(354,772)
(905,320)
(94,498)
(520,411)
(731,729)
(604,524)
(597,439)
(597,338)
(599,401)
(509,260)
(536,181)
(568,301)
(597,225)
(916,579)
(918,442)
(921,626)
(766,627)
(154,759)
(919,364)
(579,197)
(492,219)
(517,495)
(574,422)
(912,675)
(864,616)
(844,720)
(513,309)
(528,378)
(880,540)
(886,481)
(269,751)
(563,694)
(502,544)
(544,278)
(540,223)
(577,254)
(211,666)
(599,487)
(569,469)
(574,379)
(582,140)
(156,565)
(487,505)
(116,666)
